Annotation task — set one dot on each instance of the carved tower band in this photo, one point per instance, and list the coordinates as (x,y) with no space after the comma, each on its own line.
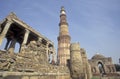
(63,39)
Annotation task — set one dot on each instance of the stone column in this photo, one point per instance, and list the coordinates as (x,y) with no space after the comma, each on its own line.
(22,46)
(54,55)
(5,30)
(47,51)
(12,46)
(0,27)
(6,46)
(53,58)
(25,36)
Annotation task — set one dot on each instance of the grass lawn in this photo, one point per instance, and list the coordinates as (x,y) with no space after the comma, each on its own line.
(105,78)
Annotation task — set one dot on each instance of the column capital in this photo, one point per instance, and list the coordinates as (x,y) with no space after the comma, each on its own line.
(27,31)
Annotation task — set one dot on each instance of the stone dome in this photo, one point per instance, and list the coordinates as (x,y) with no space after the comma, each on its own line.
(98,56)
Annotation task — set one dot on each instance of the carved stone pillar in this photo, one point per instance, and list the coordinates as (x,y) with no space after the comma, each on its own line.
(53,58)
(54,54)
(12,46)
(24,40)
(25,36)
(4,32)
(47,51)
(0,27)
(6,46)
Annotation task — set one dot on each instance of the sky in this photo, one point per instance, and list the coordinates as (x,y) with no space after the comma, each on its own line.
(95,24)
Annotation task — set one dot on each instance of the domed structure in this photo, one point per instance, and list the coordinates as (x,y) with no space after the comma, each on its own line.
(98,56)
(101,65)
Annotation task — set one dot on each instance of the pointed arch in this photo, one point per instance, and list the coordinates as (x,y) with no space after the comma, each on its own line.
(101,67)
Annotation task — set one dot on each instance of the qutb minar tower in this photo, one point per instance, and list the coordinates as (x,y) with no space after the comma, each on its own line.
(63,39)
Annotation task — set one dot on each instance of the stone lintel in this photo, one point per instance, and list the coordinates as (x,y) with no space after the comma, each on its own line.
(24,25)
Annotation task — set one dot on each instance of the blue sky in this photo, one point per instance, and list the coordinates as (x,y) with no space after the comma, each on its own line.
(95,24)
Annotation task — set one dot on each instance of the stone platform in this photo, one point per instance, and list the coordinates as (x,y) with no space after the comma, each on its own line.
(34,75)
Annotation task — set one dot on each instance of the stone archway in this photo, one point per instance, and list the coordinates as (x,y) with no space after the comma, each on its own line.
(101,68)
(102,64)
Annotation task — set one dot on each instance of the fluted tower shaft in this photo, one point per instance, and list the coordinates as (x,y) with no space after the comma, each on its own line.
(63,39)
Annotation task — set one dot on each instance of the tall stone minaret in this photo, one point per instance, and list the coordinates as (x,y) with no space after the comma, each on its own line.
(63,39)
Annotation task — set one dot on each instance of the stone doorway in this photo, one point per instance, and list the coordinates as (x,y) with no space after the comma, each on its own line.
(101,68)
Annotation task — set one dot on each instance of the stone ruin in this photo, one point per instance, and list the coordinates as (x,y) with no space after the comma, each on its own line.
(36,58)
(101,65)
(34,51)
(79,65)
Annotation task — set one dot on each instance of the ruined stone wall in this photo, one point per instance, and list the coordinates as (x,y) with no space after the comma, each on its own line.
(31,58)
(76,64)
(86,65)
(101,65)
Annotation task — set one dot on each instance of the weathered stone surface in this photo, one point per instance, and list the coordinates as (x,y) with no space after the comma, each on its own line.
(35,75)
(86,65)
(32,58)
(7,61)
(63,40)
(76,64)
(101,65)
(35,59)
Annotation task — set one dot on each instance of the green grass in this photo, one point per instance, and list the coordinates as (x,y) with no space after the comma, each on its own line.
(105,78)
(95,78)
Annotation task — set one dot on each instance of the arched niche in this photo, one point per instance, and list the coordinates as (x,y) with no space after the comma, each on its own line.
(101,68)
